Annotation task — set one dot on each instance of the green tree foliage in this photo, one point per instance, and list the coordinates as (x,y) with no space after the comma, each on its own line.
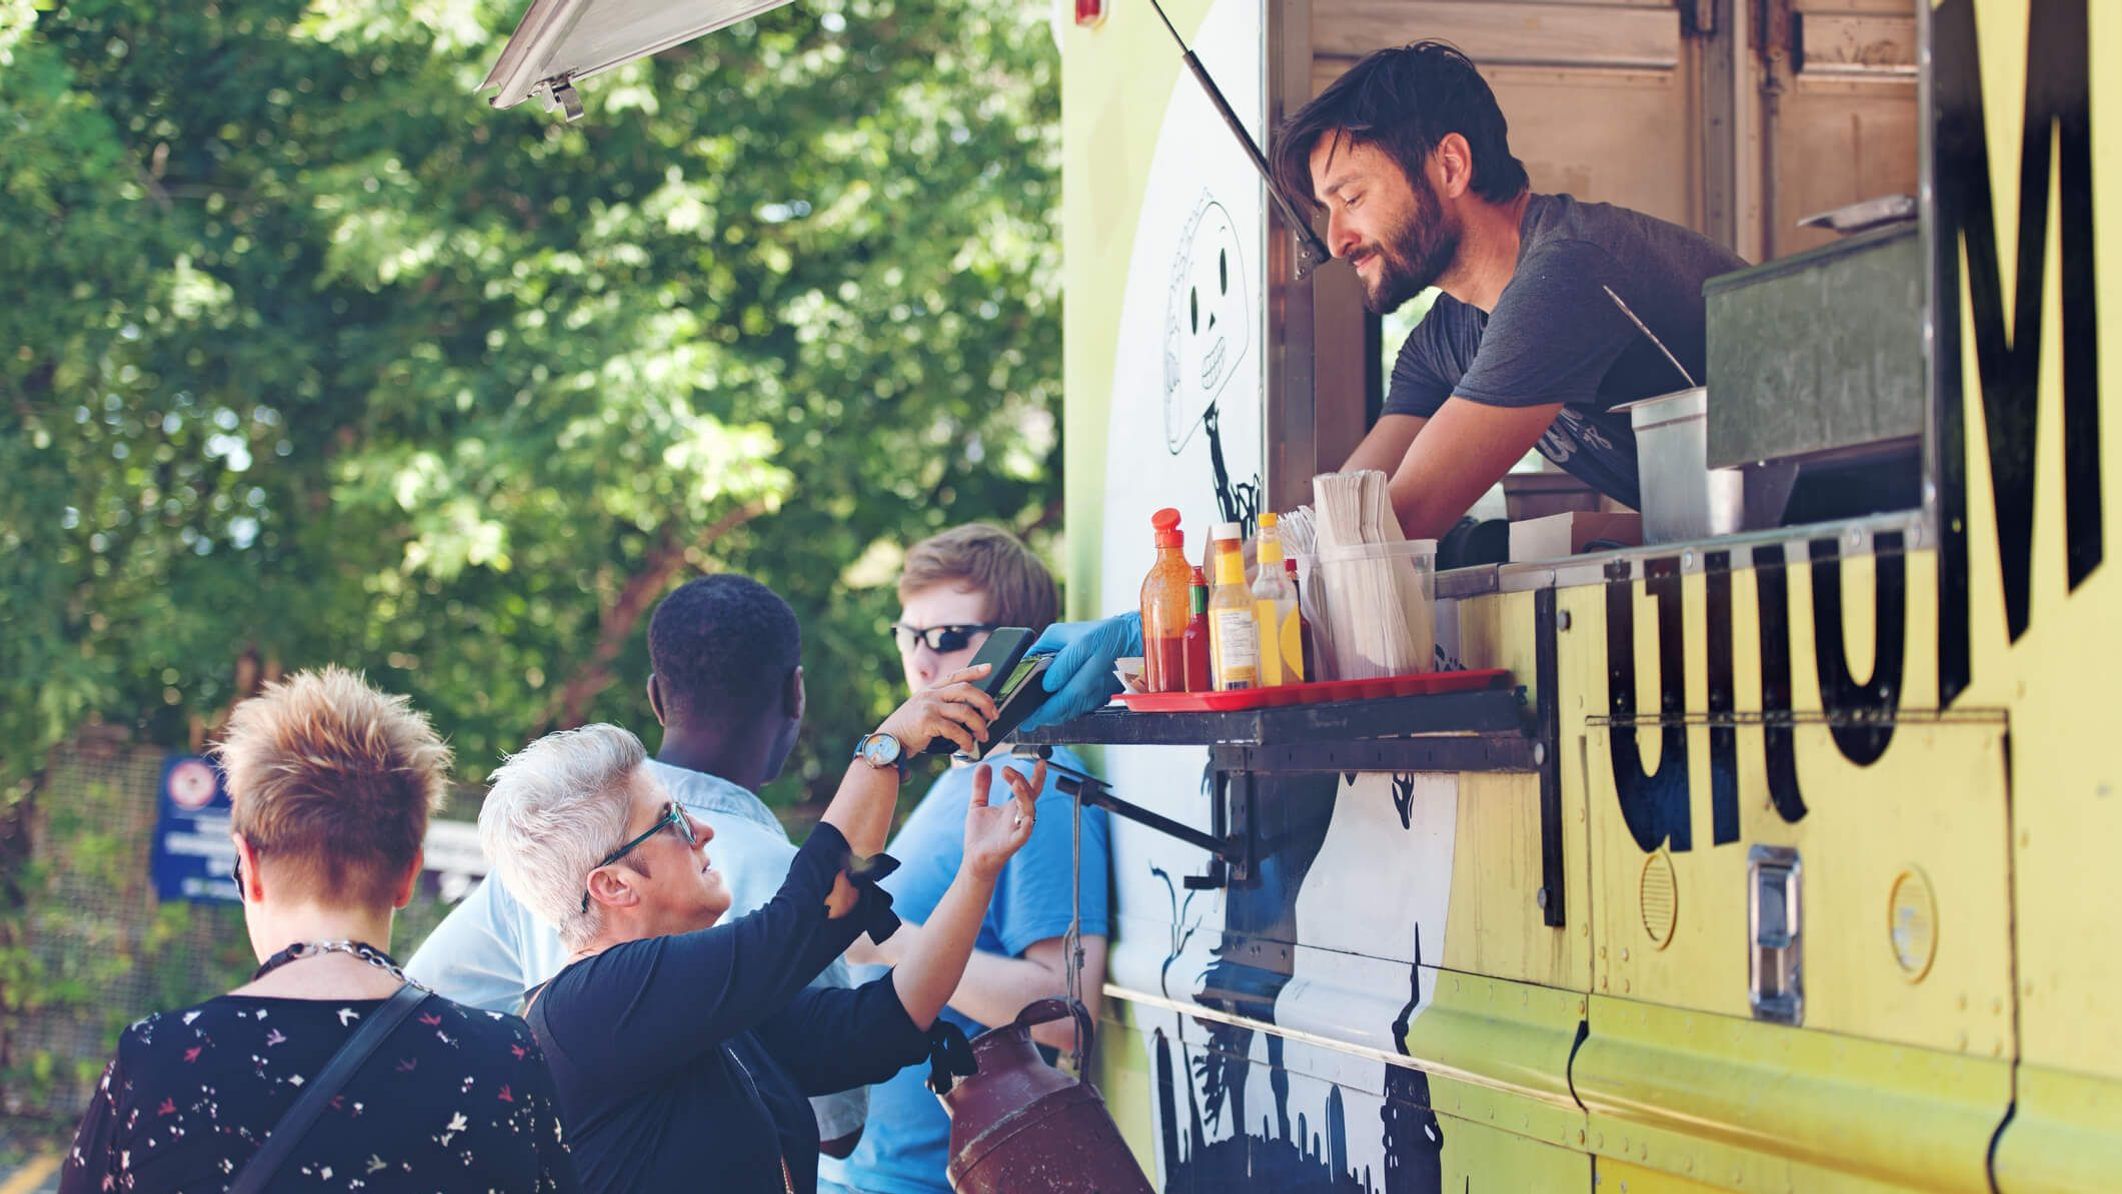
(308,354)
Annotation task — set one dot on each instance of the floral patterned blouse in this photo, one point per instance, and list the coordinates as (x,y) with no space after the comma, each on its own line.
(455,1099)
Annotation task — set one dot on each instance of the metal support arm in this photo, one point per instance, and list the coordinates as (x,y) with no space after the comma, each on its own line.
(1232,851)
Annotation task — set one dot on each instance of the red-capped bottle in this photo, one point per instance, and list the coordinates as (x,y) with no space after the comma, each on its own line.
(1198,678)
(1164,607)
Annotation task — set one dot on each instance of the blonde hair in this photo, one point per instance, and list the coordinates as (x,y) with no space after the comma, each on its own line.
(556,807)
(1020,591)
(333,782)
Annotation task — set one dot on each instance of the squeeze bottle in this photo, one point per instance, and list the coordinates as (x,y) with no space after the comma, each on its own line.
(1164,607)
(1306,652)
(1199,678)
(1275,608)
(1233,630)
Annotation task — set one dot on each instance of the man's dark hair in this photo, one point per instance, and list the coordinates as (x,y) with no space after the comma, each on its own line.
(722,645)
(1403,101)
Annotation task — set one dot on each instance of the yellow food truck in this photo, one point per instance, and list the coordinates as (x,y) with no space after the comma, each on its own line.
(1784,859)
(1805,881)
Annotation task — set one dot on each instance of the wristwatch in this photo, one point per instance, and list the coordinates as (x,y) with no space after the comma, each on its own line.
(881,750)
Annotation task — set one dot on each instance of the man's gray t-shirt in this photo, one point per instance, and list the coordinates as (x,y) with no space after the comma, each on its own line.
(1556,337)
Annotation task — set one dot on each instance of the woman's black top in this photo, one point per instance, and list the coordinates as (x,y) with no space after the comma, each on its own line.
(684,1062)
(453,1099)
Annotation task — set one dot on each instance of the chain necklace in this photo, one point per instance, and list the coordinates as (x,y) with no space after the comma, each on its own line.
(357,949)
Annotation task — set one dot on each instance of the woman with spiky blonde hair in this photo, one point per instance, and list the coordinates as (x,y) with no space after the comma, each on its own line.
(327,1069)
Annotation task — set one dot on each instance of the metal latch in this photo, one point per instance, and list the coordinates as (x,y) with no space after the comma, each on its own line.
(1775,923)
(559,93)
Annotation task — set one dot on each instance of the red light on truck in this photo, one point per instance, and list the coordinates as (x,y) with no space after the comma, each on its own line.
(1090,13)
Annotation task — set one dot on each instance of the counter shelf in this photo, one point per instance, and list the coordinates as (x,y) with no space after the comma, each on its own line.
(1486,729)
(1500,728)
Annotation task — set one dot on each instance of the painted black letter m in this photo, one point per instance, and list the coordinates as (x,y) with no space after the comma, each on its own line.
(2058,129)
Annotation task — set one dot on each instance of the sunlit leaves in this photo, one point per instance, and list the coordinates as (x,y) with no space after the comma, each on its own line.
(326,359)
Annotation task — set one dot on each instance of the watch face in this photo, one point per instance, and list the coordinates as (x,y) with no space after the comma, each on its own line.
(880,750)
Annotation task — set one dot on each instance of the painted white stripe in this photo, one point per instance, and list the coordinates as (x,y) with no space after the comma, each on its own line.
(1195,1011)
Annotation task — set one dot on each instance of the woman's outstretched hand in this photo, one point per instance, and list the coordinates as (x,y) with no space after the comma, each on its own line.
(932,963)
(954,707)
(995,832)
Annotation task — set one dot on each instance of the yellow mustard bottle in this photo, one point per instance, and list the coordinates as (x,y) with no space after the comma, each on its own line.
(1233,630)
(1275,611)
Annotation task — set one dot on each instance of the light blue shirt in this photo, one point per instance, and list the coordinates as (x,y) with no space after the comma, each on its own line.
(906,1147)
(491,949)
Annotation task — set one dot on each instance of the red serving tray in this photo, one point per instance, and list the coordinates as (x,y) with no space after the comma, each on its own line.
(1317,692)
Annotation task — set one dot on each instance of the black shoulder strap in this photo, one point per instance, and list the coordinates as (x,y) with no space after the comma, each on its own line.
(337,1072)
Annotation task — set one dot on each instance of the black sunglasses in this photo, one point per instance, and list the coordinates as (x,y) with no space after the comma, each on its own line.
(672,816)
(940,639)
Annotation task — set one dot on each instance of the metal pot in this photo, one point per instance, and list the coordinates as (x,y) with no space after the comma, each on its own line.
(1683,498)
(1020,1126)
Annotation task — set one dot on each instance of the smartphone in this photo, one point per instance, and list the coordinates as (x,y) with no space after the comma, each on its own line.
(1003,651)
(1021,694)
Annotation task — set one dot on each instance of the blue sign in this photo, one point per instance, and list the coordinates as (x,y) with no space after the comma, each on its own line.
(192,855)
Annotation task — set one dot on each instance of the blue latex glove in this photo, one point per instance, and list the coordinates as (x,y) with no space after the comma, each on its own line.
(1081,676)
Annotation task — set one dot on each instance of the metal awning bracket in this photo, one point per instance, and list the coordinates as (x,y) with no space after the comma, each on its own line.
(561,43)
(559,93)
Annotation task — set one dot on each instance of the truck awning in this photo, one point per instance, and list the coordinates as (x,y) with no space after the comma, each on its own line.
(560,42)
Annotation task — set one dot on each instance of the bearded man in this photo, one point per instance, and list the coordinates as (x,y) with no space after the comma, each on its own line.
(1407,154)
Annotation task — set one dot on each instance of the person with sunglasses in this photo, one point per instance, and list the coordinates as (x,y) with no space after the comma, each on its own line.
(955,588)
(331,782)
(947,639)
(684,1046)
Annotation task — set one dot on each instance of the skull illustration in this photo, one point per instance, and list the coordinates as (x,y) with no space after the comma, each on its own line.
(1207,321)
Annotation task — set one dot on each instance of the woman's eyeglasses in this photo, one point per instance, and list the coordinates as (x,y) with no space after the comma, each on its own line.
(673,816)
(941,639)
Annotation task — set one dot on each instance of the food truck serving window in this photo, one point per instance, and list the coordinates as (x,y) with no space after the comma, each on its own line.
(1812,403)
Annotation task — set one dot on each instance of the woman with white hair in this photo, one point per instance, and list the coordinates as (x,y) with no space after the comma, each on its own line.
(684,1050)
(328,1070)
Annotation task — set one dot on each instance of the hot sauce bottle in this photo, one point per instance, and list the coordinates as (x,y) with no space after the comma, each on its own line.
(1164,611)
(1198,677)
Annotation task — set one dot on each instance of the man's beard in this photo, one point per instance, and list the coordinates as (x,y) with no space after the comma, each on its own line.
(1414,255)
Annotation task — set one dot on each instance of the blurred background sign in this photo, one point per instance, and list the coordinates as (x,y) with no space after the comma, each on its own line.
(452,852)
(192,853)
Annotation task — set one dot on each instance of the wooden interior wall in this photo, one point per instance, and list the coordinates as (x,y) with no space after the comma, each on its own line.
(1845,126)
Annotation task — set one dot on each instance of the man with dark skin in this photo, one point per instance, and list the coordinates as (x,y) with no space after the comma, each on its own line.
(748,754)
(1408,157)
